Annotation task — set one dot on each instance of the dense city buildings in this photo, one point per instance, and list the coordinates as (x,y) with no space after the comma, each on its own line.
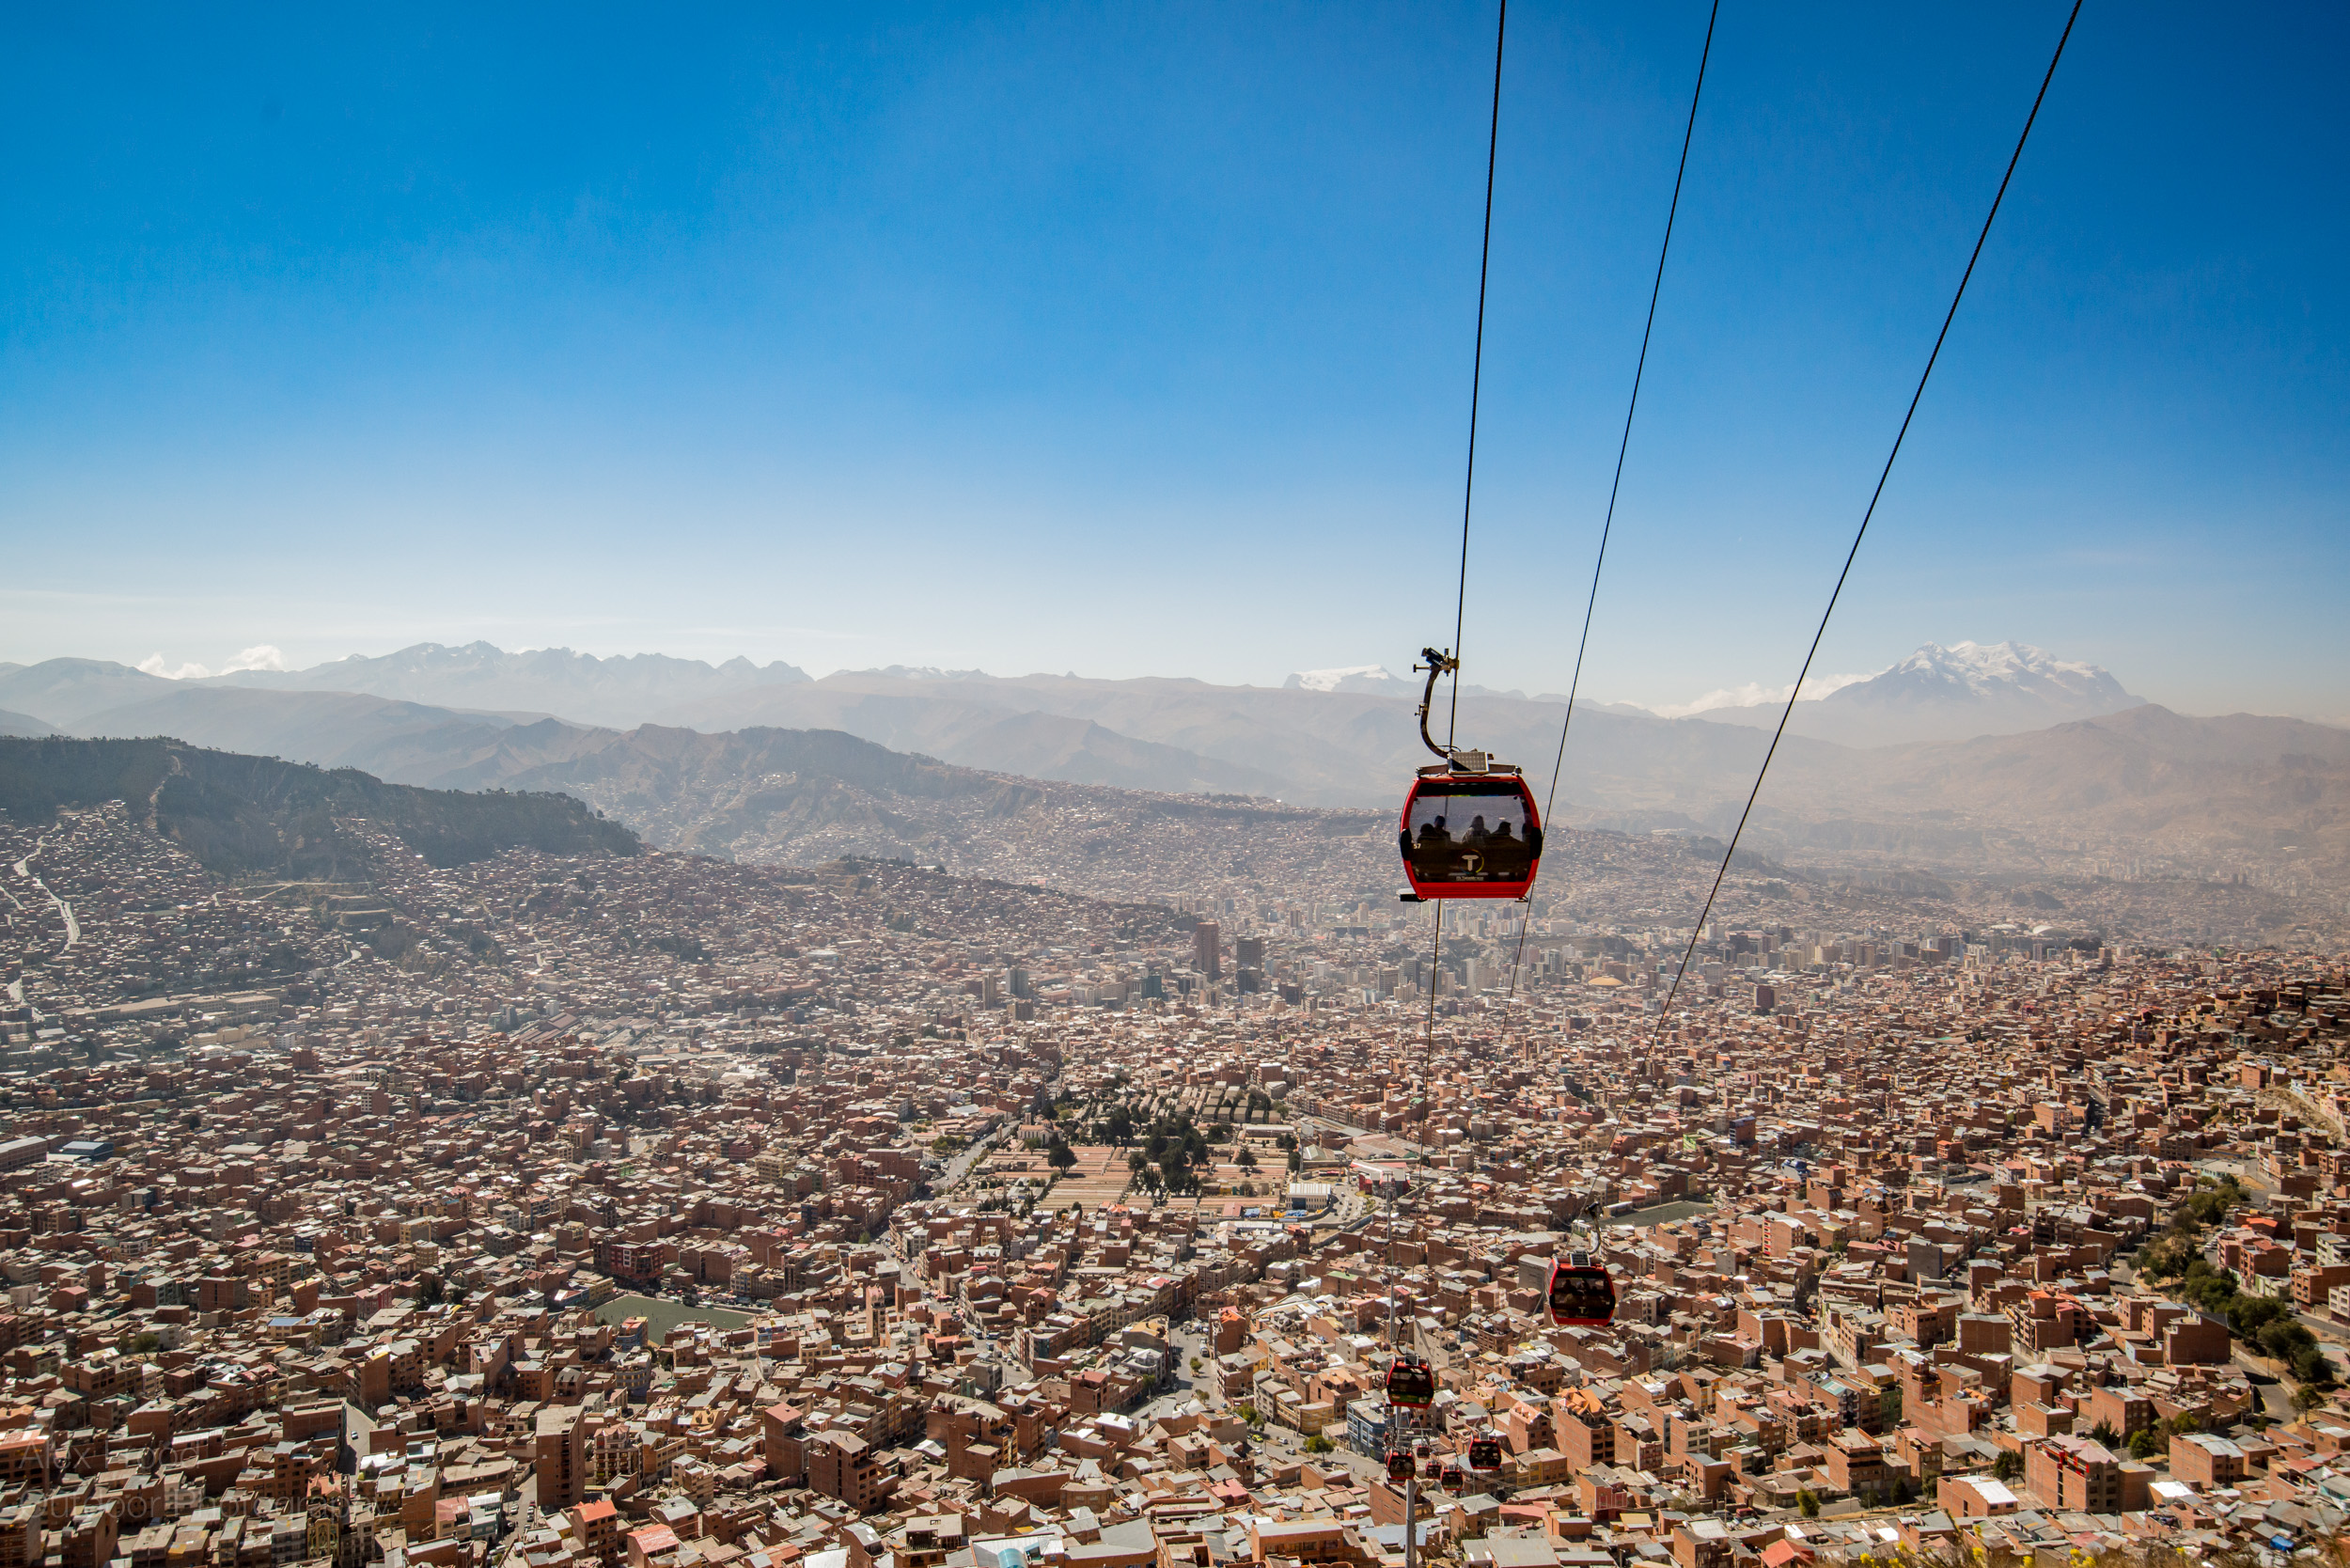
(657,1209)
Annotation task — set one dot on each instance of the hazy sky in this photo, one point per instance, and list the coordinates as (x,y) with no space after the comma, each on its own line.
(1133,340)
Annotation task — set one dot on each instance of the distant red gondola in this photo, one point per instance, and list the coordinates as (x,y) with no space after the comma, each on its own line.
(1399,1466)
(1581,1291)
(1484,1452)
(1411,1383)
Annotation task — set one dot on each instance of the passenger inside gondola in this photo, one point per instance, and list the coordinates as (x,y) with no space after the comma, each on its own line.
(1492,848)
(1506,854)
(1457,834)
(1473,867)
(1435,856)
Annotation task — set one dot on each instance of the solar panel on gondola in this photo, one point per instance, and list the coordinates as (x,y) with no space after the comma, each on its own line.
(1581,1291)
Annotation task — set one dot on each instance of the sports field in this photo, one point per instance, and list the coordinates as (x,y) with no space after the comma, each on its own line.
(661,1316)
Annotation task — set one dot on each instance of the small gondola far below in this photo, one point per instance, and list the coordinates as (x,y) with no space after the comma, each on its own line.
(1411,1382)
(1470,829)
(1582,1294)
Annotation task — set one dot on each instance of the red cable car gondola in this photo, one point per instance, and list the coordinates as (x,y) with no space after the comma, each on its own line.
(1399,1466)
(1470,835)
(1470,829)
(1448,1476)
(1581,1291)
(1411,1383)
(1484,1452)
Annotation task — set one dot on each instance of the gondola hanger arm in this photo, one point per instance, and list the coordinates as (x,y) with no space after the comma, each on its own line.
(1439,664)
(1456,760)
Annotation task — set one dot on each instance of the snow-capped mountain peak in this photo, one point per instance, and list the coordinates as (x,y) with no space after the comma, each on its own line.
(1376,679)
(1989,672)
(1937,692)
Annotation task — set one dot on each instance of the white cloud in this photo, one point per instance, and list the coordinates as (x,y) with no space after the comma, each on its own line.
(259,656)
(1751,694)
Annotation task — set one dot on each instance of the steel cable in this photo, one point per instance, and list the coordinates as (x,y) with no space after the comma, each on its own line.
(1477,371)
(1639,369)
(1886,473)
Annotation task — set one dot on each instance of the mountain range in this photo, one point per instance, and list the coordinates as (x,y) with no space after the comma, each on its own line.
(1937,693)
(2137,781)
(1165,735)
(621,690)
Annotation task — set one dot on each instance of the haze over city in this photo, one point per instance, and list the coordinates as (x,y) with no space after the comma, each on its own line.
(827,790)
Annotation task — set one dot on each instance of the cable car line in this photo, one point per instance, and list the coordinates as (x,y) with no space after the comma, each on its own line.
(1469,871)
(1436,960)
(1476,370)
(1624,444)
(1437,664)
(1723,869)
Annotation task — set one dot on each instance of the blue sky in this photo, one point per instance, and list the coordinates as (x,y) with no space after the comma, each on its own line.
(1136,341)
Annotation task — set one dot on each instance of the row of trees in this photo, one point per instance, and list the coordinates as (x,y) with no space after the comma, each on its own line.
(2267,1324)
(1115,1123)
(1165,1154)
(2150,1441)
